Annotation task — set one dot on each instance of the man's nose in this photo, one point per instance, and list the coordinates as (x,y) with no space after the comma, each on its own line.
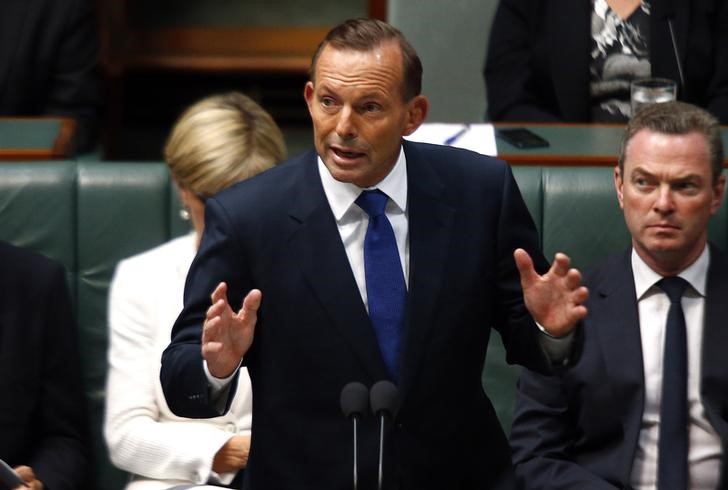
(664,202)
(345,126)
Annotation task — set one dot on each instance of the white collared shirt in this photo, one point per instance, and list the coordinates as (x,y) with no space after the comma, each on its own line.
(352,221)
(704,453)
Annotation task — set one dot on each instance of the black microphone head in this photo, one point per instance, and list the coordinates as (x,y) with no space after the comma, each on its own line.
(354,399)
(384,398)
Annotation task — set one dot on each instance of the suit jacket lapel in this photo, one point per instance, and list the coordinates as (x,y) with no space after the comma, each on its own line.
(316,245)
(616,322)
(315,242)
(430,231)
(714,378)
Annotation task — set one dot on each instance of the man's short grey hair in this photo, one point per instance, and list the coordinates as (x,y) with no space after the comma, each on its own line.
(677,118)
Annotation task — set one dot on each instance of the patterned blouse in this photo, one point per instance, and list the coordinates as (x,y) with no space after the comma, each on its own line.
(620,54)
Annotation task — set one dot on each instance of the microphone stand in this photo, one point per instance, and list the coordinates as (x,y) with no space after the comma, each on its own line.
(384,399)
(354,403)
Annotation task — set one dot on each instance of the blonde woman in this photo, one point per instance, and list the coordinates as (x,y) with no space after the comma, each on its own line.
(217,142)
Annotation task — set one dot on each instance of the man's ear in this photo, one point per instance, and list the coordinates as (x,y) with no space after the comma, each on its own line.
(416,114)
(308,94)
(619,185)
(718,191)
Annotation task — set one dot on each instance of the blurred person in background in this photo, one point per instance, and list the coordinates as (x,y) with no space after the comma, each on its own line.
(217,142)
(574,60)
(49,63)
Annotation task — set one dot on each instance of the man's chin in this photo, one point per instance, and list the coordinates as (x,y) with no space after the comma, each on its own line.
(665,247)
(347,176)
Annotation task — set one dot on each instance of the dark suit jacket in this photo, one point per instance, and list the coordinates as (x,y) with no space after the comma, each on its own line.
(48,62)
(537,68)
(276,232)
(42,411)
(580,429)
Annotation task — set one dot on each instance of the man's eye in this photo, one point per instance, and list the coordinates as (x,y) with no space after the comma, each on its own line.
(371,107)
(327,101)
(684,186)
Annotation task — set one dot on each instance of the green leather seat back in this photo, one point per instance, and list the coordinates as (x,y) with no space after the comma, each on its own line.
(123,209)
(582,217)
(37,205)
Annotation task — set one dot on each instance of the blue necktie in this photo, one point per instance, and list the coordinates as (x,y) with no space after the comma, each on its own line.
(672,463)
(386,289)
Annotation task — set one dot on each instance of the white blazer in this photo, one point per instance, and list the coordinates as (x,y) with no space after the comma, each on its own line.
(143,436)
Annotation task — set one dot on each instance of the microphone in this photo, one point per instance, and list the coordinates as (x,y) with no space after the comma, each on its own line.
(384,398)
(675,51)
(354,404)
(666,10)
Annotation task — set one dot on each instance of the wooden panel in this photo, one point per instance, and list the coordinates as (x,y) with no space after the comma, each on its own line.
(208,48)
(36,138)
(224,49)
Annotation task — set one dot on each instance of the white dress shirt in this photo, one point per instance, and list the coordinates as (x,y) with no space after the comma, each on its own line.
(352,221)
(704,453)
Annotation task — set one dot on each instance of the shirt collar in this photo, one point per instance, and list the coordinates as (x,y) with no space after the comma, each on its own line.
(696,274)
(341,195)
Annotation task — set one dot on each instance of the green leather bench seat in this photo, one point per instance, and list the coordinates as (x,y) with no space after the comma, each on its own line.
(89,215)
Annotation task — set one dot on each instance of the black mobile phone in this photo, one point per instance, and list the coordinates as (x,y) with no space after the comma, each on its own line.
(522,138)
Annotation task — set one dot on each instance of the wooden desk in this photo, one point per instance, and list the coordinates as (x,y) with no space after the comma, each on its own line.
(572,144)
(36,138)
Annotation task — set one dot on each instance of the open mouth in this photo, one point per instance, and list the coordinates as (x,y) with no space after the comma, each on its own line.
(346,154)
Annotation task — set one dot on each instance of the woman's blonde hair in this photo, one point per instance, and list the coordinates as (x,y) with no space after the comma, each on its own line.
(221,140)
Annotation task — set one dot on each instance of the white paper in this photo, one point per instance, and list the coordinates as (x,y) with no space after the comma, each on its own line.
(476,137)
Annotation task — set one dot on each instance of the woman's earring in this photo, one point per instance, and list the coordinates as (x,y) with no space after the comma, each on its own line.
(184,214)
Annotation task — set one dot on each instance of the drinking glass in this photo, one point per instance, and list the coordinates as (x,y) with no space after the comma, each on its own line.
(650,91)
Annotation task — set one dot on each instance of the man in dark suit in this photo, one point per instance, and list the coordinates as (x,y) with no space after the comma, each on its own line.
(295,242)
(49,63)
(42,411)
(614,418)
